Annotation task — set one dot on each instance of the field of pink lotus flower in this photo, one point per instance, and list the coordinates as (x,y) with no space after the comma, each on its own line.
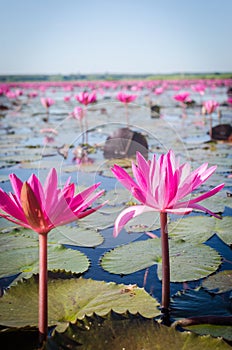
(115,205)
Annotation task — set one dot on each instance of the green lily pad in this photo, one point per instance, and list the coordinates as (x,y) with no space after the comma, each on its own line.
(132,257)
(145,222)
(99,221)
(16,240)
(215,203)
(213,330)
(187,261)
(130,334)
(75,236)
(6,225)
(199,229)
(26,260)
(72,299)
(223,229)
(219,283)
(116,197)
(197,302)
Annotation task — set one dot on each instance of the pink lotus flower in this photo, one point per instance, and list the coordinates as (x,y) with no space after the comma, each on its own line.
(47,102)
(229,100)
(161,185)
(86,98)
(200,88)
(210,106)
(41,209)
(10,94)
(159,91)
(183,97)
(124,98)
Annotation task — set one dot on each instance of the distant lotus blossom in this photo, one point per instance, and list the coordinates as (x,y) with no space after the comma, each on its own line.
(32,94)
(67,98)
(125,98)
(159,91)
(78,113)
(19,92)
(10,94)
(86,98)
(210,106)
(47,102)
(49,131)
(229,100)
(183,97)
(200,88)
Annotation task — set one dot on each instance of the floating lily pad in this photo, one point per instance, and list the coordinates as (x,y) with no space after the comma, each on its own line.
(48,164)
(6,225)
(16,240)
(116,197)
(145,222)
(219,283)
(132,257)
(76,236)
(213,330)
(199,229)
(223,229)
(191,261)
(187,261)
(99,221)
(130,334)
(72,299)
(215,203)
(26,260)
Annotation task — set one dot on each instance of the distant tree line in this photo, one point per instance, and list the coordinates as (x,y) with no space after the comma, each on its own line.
(110,77)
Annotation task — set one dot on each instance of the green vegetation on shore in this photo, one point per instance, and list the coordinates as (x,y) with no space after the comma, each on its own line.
(112,77)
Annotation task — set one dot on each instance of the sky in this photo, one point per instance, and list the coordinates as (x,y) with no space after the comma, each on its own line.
(115,36)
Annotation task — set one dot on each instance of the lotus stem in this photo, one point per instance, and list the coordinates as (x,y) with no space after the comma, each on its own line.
(210,127)
(43,288)
(86,127)
(165,264)
(127,114)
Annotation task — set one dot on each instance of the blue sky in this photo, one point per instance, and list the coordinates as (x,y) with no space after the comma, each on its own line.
(115,36)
